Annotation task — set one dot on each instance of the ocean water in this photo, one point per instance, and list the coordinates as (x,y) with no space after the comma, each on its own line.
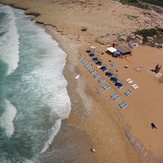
(33,95)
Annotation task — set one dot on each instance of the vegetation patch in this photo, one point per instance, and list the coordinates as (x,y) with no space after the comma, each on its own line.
(145,33)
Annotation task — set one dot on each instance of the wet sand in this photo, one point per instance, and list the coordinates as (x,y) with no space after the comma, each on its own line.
(118,135)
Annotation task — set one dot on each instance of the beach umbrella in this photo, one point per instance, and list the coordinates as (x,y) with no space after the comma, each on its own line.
(100,51)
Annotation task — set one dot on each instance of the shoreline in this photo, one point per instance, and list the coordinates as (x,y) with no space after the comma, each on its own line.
(75,117)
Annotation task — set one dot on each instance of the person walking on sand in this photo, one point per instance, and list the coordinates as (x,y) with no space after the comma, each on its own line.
(78,37)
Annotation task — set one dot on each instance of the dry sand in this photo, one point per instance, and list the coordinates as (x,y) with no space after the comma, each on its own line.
(118,135)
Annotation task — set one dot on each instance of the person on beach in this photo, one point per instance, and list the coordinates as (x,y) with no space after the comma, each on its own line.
(153,126)
(78,37)
(93,150)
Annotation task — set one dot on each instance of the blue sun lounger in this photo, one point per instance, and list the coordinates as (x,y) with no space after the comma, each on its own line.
(91,55)
(104,70)
(87,66)
(127,93)
(85,62)
(88,51)
(113,64)
(101,80)
(106,86)
(123,105)
(113,95)
(96,75)
(92,70)
(116,98)
(80,57)
(120,86)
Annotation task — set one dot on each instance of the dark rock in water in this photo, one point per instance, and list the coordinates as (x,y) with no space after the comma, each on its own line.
(38,22)
(33,13)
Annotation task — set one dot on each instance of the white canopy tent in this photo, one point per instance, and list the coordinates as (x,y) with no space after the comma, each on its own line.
(111,49)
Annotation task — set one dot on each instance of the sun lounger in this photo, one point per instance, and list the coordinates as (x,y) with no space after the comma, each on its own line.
(87,66)
(88,51)
(120,86)
(113,95)
(91,55)
(135,86)
(106,86)
(127,93)
(101,80)
(85,62)
(96,75)
(123,105)
(104,69)
(129,81)
(116,98)
(113,64)
(80,57)
(92,70)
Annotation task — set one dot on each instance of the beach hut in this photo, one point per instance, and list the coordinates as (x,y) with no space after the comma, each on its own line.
(133,43)
(123,49)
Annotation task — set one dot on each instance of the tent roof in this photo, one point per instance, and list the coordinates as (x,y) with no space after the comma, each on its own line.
(92,47)
(123,49)
(111,49)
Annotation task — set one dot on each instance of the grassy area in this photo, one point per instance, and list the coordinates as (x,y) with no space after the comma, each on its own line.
(134,3)
(147,32)
(155,2)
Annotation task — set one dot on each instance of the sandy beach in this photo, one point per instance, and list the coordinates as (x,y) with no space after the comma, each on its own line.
(96,120)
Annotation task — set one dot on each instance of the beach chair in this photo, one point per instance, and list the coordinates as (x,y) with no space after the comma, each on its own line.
(116,98)
(127,93)
(114,80)
(91,55)
(85,62)
(113,95)
(113,64)
(92,70)
(123,105)
(88,51)
(109,74)
(87,66)
(104,69)
(80,57)
(120,86)
(106,86)
(135,86)
(101,80)
(96,75)
(129,81)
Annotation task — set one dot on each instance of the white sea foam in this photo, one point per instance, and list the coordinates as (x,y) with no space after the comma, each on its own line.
(54,131)
(7,118)
(9,42)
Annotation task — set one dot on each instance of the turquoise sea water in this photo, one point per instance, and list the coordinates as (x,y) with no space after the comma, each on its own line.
(33,96)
